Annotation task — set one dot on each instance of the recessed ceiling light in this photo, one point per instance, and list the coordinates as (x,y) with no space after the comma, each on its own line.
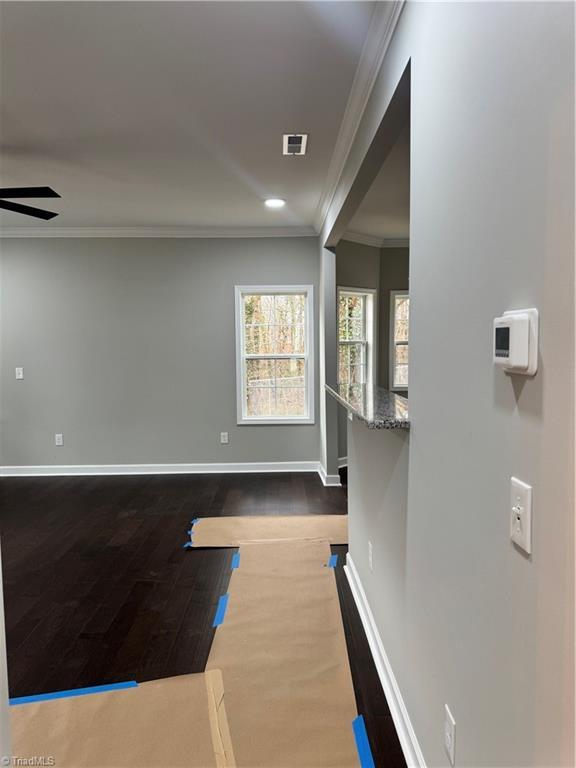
(274,202)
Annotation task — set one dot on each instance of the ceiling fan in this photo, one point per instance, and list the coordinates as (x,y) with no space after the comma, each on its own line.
(27,210)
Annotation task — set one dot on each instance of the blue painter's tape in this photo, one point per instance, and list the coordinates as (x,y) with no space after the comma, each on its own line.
(73,692)
(236,560)
(362,743)
(188,545)
(333,562)
(192,522)
(220,611)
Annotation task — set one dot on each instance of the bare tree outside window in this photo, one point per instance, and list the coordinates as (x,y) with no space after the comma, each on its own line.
(352,341)
(274,352)
(399,332)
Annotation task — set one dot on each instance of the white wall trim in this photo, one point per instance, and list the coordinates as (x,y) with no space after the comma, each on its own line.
(380,31)
(408,741)
(189,232)
(328,480)
(376,242)
(342,462)
(158,469)
(398,242)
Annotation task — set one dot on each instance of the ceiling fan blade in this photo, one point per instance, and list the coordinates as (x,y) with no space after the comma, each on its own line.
(27,192)
(27,210)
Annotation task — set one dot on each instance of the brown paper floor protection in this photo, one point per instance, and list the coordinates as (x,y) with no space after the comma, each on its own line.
(171,723)
(282,652)
(230,531)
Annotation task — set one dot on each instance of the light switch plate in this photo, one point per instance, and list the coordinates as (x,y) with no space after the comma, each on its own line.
(521,514)
(58,439)
(19,373)
(224,438)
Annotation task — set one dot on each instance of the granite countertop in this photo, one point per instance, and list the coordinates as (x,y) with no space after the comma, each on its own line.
(374,406)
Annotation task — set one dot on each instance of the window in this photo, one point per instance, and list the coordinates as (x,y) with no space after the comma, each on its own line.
(399,332)
(274,354)
(356,335)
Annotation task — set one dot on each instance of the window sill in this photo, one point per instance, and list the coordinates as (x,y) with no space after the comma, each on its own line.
(273,422)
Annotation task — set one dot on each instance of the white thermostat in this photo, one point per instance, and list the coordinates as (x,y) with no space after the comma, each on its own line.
(516,341)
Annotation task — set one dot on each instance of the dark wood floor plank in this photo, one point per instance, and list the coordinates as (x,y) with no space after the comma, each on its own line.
(98,588)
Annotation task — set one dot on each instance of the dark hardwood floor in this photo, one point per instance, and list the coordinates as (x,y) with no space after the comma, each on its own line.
(98,588)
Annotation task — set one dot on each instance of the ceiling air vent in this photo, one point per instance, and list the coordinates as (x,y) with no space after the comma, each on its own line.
(294,143)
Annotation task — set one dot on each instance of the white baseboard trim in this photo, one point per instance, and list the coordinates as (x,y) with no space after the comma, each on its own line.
(160,469)
(406,735)
(342,462)
(328,480)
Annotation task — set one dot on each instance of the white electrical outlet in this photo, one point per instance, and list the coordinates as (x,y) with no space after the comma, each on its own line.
(370,561)
(58,439)
(449,734)
(521,514)
(224,438)
(19,373)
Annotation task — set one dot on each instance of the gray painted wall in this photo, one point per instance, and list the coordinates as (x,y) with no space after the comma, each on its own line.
(328,422)
(128,348)
(357,265)
(465,618)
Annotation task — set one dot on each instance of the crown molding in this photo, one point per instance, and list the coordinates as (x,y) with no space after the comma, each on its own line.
(382,26)
(186,232)
(376,242)
(395,242)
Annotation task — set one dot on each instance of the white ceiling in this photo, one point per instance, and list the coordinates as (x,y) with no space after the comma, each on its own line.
(384,214)
(159,114)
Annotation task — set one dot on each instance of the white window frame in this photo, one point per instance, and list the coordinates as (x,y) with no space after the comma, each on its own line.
(394,343)
(307,355)
(370,324)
